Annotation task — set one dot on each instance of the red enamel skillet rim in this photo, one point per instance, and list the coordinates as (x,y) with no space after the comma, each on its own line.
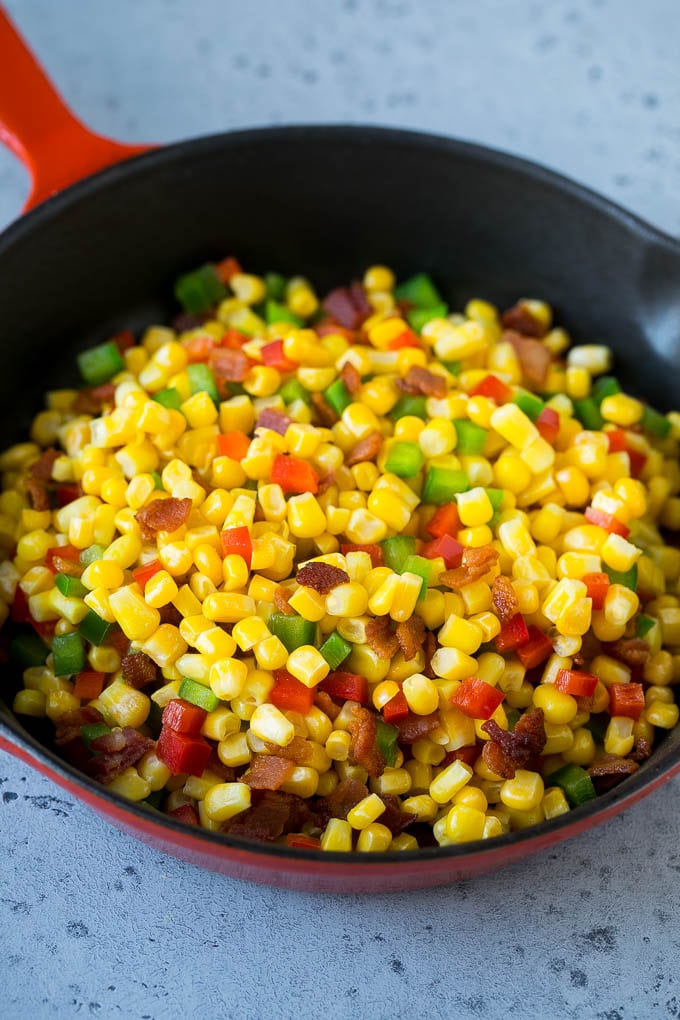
(58,151)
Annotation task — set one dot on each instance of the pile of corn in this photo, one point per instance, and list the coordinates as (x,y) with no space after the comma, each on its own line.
(139,450)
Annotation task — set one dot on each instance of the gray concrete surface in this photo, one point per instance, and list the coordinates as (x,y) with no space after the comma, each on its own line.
(93,923)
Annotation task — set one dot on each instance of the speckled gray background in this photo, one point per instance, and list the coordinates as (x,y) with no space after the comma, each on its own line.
(93,923)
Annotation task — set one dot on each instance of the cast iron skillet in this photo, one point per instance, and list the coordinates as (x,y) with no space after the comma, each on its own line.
(326,202)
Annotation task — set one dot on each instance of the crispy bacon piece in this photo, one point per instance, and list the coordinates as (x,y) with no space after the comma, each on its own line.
(37,493)
(324,701)
(610,770)
(115,752)
(68,725)
(634,652)
(413,727)
(381,638)
(534,356)
(420,380)
(91,399)
(322,577)
(162,515)
(267,772)
(363,749)
(326,481)
(504,598)
(139,670)
(476,563)
(190,320)
(273,812)
(228,366)
(506,752)
(326,414)
(350,376)
(410,635)
(519,318)
(275,420)
(347,305)
(429,648)
(281,598)
(42,467)
(393,817)
(299,751)
(366,449)
(642,749)
(344,797)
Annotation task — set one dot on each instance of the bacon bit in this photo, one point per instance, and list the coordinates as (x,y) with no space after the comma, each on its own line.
(366,449)
(163,515)
(519,318)
(420,380)
(349,375)
(116,751)
(534,356)
(37,493)
(363,749)
(476,563)
(281,598)
(380,637)
(326,327)
(42,467)
(347,305)
(139,670)
(642,749)
(324,701)
(410,635)
(326,481)
(273,813)
(275,420)
(634,652)
(68,725)
(506,752)
(343,798)
(91,399)
(393,817)
(299,751)
(416,726)
(228,366)
(190,320)
(267,772)
(322,577)
(610,770)
(324,410)
(171,615)
(429,648)
(504,598)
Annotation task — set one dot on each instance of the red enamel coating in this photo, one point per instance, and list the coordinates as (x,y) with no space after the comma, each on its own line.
(55,147)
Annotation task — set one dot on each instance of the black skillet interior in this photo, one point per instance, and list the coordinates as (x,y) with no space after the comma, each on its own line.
(327,202)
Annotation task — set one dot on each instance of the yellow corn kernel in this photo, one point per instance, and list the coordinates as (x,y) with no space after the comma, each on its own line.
(224,800)
(165,646)
(233,750)
(384,692)
(620,605)
(557,707)
(249,631)
(583,750)
(510,422)
(366,811)
(29,702)
(34,581)
(271,653)
(516,539)
(349,599)
(374,838)
(662,714)
(559,738)
(160,589)
(379,278)
(474,507)
(449,781)
(220,723)
(227,678)
(227,607)
(337,836)
(619,738)
(103,658)
(621,410)
(58,703)
(124,705)
(137,620)
(460,633)
(307,665)
(524,791)
(421,694)
(103,574)
(337,745)
(618,553)
(464,824)
(306,519)
(269,723)
(554,802)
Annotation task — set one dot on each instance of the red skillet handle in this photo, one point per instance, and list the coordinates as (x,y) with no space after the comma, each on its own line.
(56,148)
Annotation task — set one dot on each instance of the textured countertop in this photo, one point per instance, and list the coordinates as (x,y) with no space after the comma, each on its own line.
(93,923)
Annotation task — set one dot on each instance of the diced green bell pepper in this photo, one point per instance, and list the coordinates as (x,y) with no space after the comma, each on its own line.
(292,390)
(199,290)
(198,694)
(201,379)
(335,649)
(98,364)
(404,459)
(529,403)
(169,398)
(396,551)
(574,782)
(276,286)
(605,386)
(68,651)
(71,587)
(386,738)
(276,312)
(28,649)
(94,629)
(655,424)
(292,631)
(92,553)
(471,437)
(419,290)
(91,731)
(338,396)
(408,405)
(442,484)
(628,578)
(420,566)
(419,317)
(588,413)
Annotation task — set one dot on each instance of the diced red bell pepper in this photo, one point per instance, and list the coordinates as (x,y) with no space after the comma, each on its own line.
(289,694)
(576,682)
(20,612)
(227,268)
(597,585)
(406,339)
(444,521)
(396,708)
(67,493)
(477,698)
(62,552)
(233,444)
(237,541)
(346,687)
(198,348)
(618,442)
(234,340)
(513,634)
(374,551)
(468,754)
(146,572)
(302,841)
(447,547)
(274,356)
(186,813)
(88,685)
(493,387)
(124,340)
(548,424)
(637,462)
(183,717)
(536,650)
(183,752)
(606,521)
(626,699)
(294,475)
